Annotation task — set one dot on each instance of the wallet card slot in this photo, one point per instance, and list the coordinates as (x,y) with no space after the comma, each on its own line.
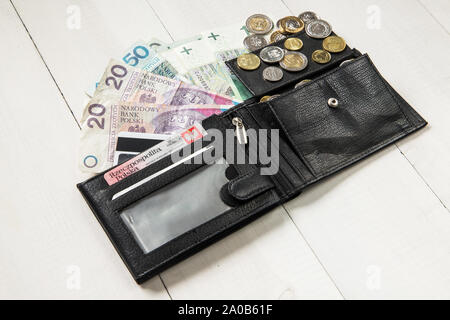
(177,208)
(329,137)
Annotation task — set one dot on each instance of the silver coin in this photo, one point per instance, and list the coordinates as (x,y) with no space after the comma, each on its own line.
(279,23)
(346,62)
(293,66)
(308,16)
(259,24)
(278,37)
(318,29)
(271,54)
(273,74)
(302,83)
(254,42)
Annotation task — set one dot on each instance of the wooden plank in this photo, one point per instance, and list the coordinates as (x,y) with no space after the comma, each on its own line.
(440,10)
(183,19)
(378,231)
(49,239)
(77,57)
(268,259)
(383,220)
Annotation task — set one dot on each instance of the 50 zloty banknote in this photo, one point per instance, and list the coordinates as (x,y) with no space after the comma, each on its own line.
(143,55)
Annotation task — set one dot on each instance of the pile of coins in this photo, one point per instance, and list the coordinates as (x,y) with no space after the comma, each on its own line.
(289,58)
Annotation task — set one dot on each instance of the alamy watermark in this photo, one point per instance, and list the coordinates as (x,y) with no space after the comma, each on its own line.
(73,20)
(260,148)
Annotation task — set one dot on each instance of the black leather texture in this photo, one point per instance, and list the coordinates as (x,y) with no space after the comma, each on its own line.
(316,141)
(256,84)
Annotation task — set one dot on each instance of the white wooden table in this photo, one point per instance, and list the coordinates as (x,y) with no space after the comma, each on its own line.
(379,230)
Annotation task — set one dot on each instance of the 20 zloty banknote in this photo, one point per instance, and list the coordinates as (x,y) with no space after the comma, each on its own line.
(100,131)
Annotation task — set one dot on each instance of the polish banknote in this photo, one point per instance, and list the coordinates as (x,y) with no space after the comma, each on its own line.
(202,60)
(122,82)
(105,119)
(143,55)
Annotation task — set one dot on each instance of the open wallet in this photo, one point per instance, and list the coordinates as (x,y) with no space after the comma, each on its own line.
(165,212)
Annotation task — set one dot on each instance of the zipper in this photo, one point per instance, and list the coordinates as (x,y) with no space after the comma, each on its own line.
(241,133)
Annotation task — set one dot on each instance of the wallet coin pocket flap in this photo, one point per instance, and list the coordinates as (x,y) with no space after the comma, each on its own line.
(342,117)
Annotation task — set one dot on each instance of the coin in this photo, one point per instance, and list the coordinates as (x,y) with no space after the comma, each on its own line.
(271,54)
(292,24)
(308,16)
(280,28)
(265,98)
(318,29)
(254,42)
(294,61)
(302,83)
(277,36)
(321,56)
(293,44)
(259,24)
(248,61)
(279,23)
(346,62)
(274,97)
(273,74)
(334,44)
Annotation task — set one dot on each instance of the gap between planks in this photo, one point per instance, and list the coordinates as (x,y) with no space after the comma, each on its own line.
(45,64)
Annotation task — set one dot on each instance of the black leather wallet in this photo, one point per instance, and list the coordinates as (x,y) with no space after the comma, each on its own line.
(193,205)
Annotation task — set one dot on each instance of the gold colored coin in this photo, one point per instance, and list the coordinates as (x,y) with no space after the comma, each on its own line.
(302,83)
(265,98)
(293,44)
(292,24)
(321,56)
(248,61)
(294,61)
(259,24)
(280,28)
(334,44)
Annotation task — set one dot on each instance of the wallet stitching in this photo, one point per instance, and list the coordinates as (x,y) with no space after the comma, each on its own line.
(389,91)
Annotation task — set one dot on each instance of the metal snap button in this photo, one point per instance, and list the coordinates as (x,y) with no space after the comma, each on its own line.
(333,103)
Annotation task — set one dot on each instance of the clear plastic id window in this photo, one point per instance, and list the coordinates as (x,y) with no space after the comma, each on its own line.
(177,208)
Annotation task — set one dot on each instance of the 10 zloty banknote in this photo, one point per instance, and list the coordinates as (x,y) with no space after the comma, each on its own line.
(202,60)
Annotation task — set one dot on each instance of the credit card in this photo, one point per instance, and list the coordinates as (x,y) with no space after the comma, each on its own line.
(173,144)
(130,144)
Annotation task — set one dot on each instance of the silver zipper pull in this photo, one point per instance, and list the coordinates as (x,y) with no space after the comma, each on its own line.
(241,133)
